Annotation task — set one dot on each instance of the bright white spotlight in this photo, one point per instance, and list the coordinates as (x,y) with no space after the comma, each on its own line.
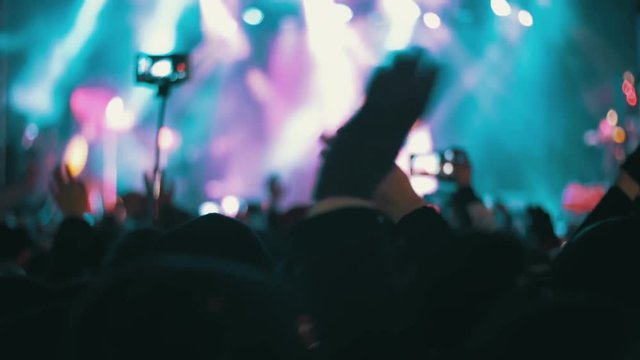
(161,69)
(230,206)
(432,20)
(343,13)
(501,7)
(253,16)
(209,207)
(525,18)
(402,16)
(217,19)
(401,10)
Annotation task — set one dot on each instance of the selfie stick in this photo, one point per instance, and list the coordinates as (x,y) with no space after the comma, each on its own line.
(156,183)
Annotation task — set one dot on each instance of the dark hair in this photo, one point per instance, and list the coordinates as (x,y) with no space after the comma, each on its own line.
(13,242)
(184,307)
(602,259)
(133,245)
(219,236)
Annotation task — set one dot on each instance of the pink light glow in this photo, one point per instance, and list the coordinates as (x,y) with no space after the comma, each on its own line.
(88,104)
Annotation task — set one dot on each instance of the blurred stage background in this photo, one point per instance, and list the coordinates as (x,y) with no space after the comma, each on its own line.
(524,81)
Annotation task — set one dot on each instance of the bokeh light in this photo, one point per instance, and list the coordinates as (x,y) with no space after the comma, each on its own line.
(619,135)
(432,20)
(231,206)
(209,207)
(31,132)
(253,16)
(116,117)
(76,154)
(501,7)
(612,117)
(168,139)
(628,76)
(525,18)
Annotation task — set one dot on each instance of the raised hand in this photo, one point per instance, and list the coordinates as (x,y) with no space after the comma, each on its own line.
(70,194)
(364,150)
(404,86)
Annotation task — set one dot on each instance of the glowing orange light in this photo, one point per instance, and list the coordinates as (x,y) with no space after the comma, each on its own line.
(619,135)
(76,154)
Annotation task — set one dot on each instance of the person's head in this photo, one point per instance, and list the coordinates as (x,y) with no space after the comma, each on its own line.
(184,307)
(219,236)
(15,246)
(540,229)
(490,266)
(131,247)
(540,327)
(602,259)
(75,251)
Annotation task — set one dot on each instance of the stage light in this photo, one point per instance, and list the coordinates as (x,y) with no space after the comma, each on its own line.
(619,135)
(157,35)
(501,7)
(253,16)
(230,206)
(37,92)
(217,19)
(209,207)
(525,18)
(612,117)
(402,16)
(343,13)
(432,20)
(76,154)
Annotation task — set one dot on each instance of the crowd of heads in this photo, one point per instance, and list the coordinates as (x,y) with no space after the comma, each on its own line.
(367,269)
